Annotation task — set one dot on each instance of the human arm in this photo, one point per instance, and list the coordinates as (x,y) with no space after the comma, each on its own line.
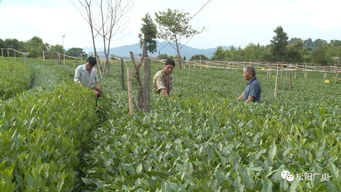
(254,93)
(160,85)
(250,99)
(97,89)
(77,76)
(164,92)
(241,96)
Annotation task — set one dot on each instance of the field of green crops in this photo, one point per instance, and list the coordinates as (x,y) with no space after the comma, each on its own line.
(54,137)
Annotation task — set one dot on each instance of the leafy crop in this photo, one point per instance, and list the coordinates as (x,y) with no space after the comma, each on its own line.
(15,78)
(42,132)
(53,138)
(201,139)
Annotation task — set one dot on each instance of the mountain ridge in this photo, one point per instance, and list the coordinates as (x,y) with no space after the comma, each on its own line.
(162,48)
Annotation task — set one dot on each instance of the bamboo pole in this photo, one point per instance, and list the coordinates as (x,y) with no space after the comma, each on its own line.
(130,97)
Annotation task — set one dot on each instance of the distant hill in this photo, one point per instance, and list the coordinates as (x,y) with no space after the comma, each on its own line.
(162,48)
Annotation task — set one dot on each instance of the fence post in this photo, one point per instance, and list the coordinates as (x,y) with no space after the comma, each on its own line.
(146,90)
(130,97)
(276,82)
(64,57)
(2,52)
(122,75)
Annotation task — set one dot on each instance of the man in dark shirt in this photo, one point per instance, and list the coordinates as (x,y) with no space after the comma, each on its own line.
(253,90)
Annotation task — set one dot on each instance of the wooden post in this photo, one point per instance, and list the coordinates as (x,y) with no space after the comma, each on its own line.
(64,57)
(146,90)
(130,96)
(286,78)
(58,58)
(15,58)
(2,52)
(7,52)
(122,75)
(188,71)
(276,82)
(337,70)
(43,55)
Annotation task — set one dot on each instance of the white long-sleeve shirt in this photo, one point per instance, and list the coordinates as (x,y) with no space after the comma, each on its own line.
(82,76)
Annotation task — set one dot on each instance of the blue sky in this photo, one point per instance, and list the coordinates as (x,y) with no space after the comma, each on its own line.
(227,22)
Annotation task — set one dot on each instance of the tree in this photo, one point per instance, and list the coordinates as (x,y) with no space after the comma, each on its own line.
(174,26)
(35,46)
(76,52)
(2,43)
(147,36)
(57,48)
(278,44)
(148,44)
(164,56)
(335,50)
(320,42)
(295,50)
(105,19)
(255,52)
(219,54)
(14,44)
(199,57)
(320,55)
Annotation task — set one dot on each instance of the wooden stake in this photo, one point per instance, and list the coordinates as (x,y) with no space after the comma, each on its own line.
(146,88)
(276,82)
(130,97)
(122,75)
(188,71)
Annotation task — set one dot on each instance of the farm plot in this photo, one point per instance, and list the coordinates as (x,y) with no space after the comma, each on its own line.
(201,139)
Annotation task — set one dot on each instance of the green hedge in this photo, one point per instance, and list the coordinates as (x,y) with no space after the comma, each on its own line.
(41,136)
(15,78)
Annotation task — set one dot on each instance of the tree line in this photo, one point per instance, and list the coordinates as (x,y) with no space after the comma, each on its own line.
(35,47)
(283,49)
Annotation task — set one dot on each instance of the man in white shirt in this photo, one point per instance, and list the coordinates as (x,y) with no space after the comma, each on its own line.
(86,75)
